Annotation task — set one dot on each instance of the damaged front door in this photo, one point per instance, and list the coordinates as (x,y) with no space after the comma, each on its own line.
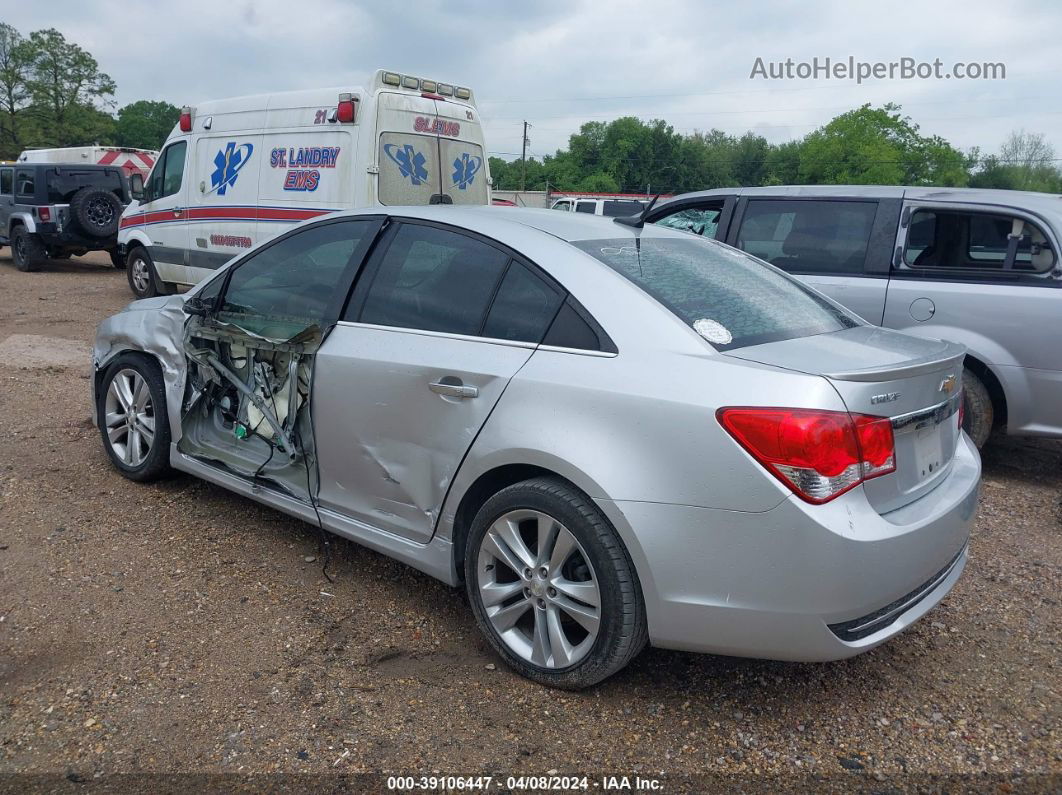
(251,340)
(409,376)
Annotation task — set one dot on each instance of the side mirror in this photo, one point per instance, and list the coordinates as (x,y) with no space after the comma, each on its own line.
(136,186)
(200,307)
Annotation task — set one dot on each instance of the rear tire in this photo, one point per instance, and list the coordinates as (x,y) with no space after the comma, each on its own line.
(542,620)
(117,260)
(131,414)
(980,414)
(28,250)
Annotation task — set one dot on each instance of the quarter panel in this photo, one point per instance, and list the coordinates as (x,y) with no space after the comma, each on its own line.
(640,426)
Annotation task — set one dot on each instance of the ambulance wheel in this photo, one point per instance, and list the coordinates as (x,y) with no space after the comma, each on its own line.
(140,270)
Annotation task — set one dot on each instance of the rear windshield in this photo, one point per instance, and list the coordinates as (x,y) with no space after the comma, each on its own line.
(730,298)
(63,183)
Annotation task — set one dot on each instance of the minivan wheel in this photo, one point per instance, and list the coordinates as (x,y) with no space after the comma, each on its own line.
(979,413)
(131,413)
(551,585)
(141,274)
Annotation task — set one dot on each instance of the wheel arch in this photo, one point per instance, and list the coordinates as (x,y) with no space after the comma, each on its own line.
(105,363)
(472,491)
(21,219)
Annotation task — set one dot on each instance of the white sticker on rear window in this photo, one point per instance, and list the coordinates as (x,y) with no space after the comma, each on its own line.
(713,331)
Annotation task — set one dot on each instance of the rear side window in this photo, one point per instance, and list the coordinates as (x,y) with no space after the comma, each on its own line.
(961,241)
(729,298)
(586,207)
(809,236)
(435,280)
(7,181)
(523,308)
(25,183)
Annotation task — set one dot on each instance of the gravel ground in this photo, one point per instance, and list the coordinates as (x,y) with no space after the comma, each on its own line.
(177,627)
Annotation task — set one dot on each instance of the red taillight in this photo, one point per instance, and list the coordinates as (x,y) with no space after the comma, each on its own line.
(818,454)
(44,213)
(346,110)
(186,120)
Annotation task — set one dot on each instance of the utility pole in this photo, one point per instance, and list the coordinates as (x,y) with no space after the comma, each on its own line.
(523,159)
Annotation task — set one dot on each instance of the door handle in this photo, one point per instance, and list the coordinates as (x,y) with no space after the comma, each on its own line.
(457,390)
(178,211)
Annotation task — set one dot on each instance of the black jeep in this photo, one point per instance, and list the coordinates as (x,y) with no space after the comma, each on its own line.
(50,210)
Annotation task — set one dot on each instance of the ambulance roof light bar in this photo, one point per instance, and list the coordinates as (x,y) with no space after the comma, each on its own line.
(426,86)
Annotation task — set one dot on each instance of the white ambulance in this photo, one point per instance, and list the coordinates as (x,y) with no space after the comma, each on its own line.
(238,171)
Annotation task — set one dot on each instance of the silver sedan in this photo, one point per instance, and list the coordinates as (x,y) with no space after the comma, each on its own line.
(609,434)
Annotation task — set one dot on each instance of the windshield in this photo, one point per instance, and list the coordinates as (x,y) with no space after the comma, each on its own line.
(728,297)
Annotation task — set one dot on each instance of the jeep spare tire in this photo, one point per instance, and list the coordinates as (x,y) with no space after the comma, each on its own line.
(96,211)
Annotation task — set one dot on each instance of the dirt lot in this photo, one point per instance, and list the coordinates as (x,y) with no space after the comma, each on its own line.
(176,627)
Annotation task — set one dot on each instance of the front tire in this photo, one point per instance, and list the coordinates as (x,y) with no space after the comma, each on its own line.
(140,271)
(552,587)
(979,412)
(28,250)
(131,413)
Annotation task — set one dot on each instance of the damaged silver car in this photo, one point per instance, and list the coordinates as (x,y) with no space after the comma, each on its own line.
(610,434)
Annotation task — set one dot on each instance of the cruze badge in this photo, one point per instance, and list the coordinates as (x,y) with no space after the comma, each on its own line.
(888,397)
(947,384)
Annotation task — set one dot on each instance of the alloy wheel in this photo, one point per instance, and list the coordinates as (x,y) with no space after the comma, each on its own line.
(538,588)
(140,274)
(129,417)
(100,212)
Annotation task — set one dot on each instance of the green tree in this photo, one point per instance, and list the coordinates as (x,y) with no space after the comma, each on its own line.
(146,124)
(15,69)
(878,146)
(65,81)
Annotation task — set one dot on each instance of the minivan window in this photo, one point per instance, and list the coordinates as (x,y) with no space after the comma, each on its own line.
(435,280)
(586,207)
(725,295)
(802,236)
(968,241)
(7,181)
(616,208)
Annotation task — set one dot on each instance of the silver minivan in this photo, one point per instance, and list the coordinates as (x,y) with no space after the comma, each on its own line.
(977,267)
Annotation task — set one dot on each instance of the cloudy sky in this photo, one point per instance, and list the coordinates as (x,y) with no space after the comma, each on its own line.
(557,63)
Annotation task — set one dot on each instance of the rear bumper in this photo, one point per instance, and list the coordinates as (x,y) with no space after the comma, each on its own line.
(792,582)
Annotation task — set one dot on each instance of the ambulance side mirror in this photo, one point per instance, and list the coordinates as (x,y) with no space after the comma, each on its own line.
(136,186)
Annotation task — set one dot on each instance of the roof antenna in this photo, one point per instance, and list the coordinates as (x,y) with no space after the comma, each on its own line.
(637,221)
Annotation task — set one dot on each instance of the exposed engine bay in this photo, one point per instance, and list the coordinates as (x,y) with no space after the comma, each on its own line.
(246,403)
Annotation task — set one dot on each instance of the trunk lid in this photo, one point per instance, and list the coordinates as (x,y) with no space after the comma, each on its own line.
(917,383)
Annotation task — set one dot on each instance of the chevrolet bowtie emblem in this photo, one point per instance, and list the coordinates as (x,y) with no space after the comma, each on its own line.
(947,384)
